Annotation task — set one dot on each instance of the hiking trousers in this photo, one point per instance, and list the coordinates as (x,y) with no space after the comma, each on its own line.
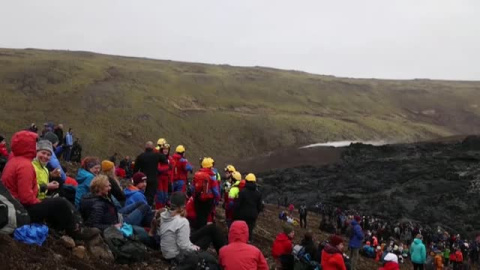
(303,221)
(56,212)
(135,213)
(353,257)
(417,266)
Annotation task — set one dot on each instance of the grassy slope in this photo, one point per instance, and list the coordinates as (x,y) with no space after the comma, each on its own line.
(117,103)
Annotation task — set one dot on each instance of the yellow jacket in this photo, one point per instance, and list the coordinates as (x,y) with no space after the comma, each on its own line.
(42,178)
(234,190)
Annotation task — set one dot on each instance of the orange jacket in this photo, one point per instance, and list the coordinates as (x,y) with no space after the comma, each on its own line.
(438,262)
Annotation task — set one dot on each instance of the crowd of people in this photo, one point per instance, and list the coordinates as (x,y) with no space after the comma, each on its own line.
(167,211)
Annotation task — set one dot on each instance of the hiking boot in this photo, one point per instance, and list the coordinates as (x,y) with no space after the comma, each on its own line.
(86,233)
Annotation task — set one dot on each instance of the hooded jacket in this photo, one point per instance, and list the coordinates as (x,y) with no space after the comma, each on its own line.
(249,203)
(3,150)
(42,174)
(84,179)
(390,266)
(174,235)
(98,212)
(19,175)
(332,259)
(357,236)
(418,252)
(238,255)
(282,246)
(133,195)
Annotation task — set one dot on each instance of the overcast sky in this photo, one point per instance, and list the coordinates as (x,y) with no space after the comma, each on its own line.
(356,38)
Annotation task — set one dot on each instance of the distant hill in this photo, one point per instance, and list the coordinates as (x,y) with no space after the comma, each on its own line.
(116,103)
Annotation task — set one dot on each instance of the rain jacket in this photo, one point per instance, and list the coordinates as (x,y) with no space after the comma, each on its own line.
(438,262)
(19,176)
(357,236)
(181,167)
(3,150)
(390,266)
(42,174)
(418,253)
(249,203)
(134,195)
(174,235)
(84,178)
(281,246)
(238,255)
(332,259)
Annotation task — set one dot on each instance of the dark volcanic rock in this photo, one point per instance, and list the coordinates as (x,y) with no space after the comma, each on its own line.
(432,183)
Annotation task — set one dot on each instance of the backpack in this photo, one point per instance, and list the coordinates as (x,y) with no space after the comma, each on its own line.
(303,260)
(201,182)
(125,250)
(12,212)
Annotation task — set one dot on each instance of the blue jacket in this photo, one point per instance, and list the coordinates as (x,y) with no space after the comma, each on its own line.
(134,196)
(69,139)
(54,164)
(84,178)
(356,239)
(418,252)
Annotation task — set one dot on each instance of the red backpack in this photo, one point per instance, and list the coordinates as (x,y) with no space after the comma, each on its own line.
(201,182)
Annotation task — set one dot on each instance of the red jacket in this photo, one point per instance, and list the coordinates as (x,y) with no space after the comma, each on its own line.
(390,266)
(166,171)
(281,246)
(238,255)
(3,150)
(181,167)
(332,259)
(19,176)
(459,256)
(120,173)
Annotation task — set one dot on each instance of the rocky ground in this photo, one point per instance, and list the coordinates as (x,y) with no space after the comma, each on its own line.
(434,183)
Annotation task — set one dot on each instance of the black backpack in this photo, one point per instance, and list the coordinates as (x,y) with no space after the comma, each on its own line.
(12,212)
(125,250)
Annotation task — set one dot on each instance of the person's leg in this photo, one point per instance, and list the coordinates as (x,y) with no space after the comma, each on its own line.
(151,190)
(251,226)
(202,209)
(129,208)
(136,216)
(147,219)
(209,234)
(354,258)
(57,212)
(178,185)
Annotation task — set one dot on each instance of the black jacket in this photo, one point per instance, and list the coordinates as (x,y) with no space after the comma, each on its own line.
(147,162)
(116,191)
(98,212)
(310,248)
(249,203)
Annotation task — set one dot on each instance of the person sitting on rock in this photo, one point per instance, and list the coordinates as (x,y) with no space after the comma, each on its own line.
(108,169)
(135,193)
(309,244)
(54,163)
(90,168)
(44,153)
(20,179)
(238,254)
(282,248)
(176,243)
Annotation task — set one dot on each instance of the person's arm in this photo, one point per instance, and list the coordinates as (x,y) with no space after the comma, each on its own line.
(116,190)
(183,238)
(424,254)
(138,164)
(26,194)
(261,262)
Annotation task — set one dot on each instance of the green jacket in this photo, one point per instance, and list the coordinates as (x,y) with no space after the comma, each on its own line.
(42,178)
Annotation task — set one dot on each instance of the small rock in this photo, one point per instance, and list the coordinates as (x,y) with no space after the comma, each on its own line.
(102,253)
(67,241)
(57,257)
(79,252)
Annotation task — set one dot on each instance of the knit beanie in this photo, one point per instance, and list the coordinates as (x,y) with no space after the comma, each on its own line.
(90,162)
(44,145)
(51,137)
(107,165)
(335,240)
(138,178)
(287,229)
(177,200)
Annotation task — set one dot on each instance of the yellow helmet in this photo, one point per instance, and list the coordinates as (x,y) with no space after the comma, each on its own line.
(161,141)
(180,149)
(207,162)
(237,176)
(165,146)
(250,177)
(230,168)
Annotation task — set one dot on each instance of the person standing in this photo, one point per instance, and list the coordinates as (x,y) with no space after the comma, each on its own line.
(356,239)
(303,215)
(418,253)
(68,145)
(147,163)
(249,204)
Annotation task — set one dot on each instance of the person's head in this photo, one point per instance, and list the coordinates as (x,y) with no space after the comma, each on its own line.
(165,149)
(91,164)
(419,236)
(177,203)
(108,167)
(149,145)
(161,142)
(44,151)
(60,126)
(308,236)
(207,162)
(251,178)
(100,185)
(229,170)
(70,130)
(357,218)
(337,242)
(390,257)
(236,176)
(288,230)
(52,138)
(139,180)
